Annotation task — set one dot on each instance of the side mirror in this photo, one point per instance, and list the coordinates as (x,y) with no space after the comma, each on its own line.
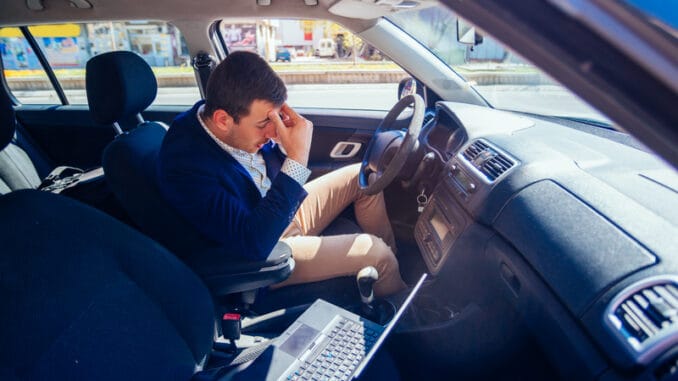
(407,86)
(466,34)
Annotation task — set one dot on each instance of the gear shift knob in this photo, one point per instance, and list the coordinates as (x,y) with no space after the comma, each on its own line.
(366,278)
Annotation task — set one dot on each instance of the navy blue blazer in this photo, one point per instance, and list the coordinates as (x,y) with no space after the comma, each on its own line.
(216,195)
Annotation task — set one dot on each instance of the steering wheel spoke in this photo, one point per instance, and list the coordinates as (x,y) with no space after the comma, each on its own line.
(389,149)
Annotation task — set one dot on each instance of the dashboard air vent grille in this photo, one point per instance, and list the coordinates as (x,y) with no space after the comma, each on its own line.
(427,118)
(487,160)
(648,312)
(474,150)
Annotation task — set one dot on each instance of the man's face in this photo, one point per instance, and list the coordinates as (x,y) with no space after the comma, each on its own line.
(253,130)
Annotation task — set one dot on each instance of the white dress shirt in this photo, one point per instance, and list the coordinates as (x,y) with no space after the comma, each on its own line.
(255,165)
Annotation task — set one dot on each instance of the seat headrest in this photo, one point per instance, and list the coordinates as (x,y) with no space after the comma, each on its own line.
(119,84)
(7,120)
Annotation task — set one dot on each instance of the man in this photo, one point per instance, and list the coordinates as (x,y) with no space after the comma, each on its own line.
(235,167)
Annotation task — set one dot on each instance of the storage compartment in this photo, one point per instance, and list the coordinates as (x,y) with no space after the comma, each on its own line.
(578,251)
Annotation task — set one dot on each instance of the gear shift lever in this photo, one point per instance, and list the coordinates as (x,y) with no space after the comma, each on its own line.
(366,278)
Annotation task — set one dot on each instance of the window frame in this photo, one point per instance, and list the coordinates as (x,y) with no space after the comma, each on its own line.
(45,64)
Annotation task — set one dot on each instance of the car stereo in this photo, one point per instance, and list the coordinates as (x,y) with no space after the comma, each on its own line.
(439,225)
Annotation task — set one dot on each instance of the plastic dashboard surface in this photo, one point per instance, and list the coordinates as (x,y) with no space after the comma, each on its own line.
(586,212)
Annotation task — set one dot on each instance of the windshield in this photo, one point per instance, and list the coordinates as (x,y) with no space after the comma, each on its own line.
(505,80)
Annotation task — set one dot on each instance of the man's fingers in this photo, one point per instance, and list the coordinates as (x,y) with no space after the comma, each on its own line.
(286,109)
(275,118)
(287,121)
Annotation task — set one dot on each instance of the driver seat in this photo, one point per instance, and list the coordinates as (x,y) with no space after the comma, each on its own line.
(120,85)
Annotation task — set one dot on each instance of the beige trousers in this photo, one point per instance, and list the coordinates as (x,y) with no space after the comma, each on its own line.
(323,257)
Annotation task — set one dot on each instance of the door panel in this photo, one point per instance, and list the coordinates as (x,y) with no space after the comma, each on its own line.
(66,134)
(69,136)
(331,127)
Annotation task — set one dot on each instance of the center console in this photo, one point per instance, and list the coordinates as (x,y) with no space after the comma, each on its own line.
(440,224)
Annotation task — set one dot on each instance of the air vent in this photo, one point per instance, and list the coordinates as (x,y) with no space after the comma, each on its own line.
(487,159)
(647,314)
(427,118)
(474,150)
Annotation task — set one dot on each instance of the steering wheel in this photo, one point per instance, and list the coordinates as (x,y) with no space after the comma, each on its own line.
(389,149)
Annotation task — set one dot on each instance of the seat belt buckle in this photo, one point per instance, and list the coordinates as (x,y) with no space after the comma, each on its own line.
(230,326)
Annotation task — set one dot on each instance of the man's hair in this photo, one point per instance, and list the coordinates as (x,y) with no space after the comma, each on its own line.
(240,79)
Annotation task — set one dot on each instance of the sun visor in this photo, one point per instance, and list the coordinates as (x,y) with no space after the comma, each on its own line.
(372,9)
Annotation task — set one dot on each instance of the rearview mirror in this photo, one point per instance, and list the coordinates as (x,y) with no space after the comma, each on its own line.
(466,34)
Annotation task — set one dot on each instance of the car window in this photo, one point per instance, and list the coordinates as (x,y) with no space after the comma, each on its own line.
(24,75)
(68,47)
(503,78)
(322,63)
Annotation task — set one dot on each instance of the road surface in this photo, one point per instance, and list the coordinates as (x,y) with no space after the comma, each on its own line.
(542,99)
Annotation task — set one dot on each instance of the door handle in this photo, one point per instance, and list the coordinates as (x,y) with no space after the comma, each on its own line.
(344,150)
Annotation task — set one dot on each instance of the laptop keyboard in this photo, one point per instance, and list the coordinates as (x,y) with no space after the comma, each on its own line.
(338,354)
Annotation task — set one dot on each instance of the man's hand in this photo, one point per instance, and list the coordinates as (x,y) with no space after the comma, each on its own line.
(294,133)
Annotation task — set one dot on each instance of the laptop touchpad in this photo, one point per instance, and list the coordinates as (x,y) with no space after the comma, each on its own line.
(299,340)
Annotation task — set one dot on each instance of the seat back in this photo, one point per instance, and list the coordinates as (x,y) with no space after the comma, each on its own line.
(87,298)
(130,166)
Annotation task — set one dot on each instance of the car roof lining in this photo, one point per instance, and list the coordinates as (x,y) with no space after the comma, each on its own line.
(16,13)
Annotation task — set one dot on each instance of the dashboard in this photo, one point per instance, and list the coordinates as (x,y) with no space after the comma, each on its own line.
(579,234)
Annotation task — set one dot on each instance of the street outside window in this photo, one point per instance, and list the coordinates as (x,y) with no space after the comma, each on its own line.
(68,47)
(323,64)
(25,76)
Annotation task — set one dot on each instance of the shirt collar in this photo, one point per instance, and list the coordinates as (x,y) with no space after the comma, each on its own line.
(232,150)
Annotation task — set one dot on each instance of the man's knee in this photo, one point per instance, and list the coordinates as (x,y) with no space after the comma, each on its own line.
(382,254)
(350,172)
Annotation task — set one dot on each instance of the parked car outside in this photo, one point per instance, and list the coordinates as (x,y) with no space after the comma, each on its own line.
(326,48)
(283,54)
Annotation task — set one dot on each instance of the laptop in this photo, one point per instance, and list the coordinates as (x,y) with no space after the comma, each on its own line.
(328,342)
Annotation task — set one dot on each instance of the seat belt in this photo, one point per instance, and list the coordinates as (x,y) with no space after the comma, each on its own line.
(203,64)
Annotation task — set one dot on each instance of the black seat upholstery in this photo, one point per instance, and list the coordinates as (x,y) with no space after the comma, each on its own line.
(87,298)
(22,166)
(120,85)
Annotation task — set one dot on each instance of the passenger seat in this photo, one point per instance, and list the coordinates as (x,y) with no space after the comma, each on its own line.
(88,298)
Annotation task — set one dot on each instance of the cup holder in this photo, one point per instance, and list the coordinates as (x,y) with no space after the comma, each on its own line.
(384,311)
(381,311)
(428,310)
